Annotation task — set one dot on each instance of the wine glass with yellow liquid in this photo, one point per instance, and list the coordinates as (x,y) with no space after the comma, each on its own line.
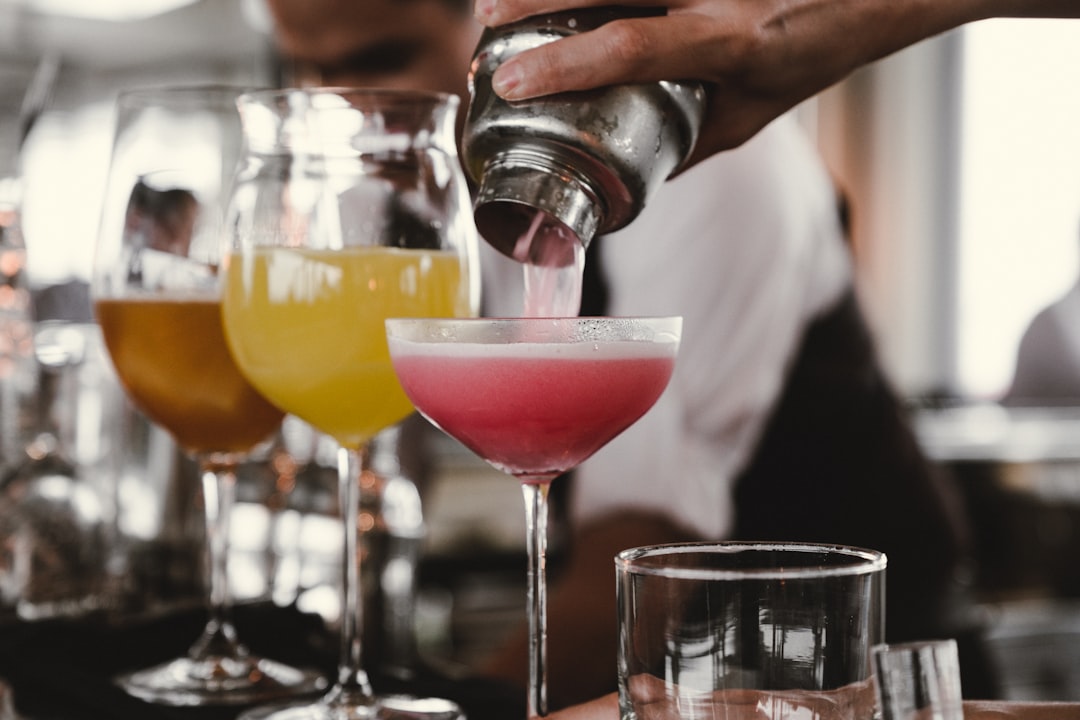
(157,298)
(350,208)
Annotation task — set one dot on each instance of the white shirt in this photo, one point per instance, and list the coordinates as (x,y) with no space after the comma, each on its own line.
(747,247)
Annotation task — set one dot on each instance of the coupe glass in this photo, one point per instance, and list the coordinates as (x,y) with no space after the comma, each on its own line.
(534,397)
(350,208)
(157,299)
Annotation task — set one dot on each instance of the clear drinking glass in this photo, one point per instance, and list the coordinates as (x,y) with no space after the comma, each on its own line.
(350,207)
(919,680)
(774,631)
(157,298)
(534,397)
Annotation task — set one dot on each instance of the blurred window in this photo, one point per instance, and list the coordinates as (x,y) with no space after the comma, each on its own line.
(1019,221)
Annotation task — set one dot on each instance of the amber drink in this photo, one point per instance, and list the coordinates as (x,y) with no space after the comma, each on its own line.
(202,398)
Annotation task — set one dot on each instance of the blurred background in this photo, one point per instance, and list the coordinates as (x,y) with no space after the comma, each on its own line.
(961,159)
(960,156)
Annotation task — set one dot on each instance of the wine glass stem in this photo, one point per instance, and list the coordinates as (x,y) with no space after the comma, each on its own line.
(353,686)
(536,518)
(219,490)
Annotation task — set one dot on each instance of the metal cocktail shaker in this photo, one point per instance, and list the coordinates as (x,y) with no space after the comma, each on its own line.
(589,160)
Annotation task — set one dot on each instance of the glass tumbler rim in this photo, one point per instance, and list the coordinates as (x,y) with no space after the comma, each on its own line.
(638,561)
(912,645)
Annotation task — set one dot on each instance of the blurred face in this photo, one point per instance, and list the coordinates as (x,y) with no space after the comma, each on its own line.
(407,44)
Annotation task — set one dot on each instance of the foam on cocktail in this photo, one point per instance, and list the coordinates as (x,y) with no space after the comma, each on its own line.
(597,350)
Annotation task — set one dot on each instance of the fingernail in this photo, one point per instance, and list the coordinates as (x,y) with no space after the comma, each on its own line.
(506,80)
(483,9)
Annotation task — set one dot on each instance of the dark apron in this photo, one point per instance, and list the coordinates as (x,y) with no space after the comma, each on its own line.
(838,462)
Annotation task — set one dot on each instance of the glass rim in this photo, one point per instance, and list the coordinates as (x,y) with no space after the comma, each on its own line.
(554,329)
(512,320)
(140,95)
(863,561)
(359,91)
(915,646)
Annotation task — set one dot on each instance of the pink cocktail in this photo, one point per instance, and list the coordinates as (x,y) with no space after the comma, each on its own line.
(534,410)
(534,397)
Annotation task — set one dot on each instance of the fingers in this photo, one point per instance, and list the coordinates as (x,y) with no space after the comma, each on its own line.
(500,12)
(752,56)
(623,51)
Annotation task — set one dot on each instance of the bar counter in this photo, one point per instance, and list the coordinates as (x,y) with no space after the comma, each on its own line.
(63,669)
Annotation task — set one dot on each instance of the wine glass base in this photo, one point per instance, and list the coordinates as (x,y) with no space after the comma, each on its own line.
(318,710)
(386,707)
(409,707)
(188,682)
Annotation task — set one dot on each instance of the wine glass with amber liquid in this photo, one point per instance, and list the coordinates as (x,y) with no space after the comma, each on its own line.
(157,297)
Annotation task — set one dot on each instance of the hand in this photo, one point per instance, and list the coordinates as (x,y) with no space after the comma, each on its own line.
(759,58)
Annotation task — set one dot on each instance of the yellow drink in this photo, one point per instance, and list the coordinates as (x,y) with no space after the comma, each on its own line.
(306,327)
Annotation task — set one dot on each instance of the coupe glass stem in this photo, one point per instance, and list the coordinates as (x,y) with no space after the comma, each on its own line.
(353,689)
(535,492)
(219,639)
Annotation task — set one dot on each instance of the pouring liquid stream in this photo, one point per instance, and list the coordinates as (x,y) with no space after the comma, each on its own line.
(553,263)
